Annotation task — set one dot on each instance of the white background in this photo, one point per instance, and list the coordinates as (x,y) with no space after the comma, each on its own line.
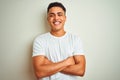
(97,22)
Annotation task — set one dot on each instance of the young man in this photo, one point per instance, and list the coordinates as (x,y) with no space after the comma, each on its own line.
(58,55)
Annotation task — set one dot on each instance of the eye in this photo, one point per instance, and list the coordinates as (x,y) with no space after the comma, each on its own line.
(60,14)
(51,15)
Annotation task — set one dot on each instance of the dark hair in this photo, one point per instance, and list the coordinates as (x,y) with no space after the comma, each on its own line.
(56,4)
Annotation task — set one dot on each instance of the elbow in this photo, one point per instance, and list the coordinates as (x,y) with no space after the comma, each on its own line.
(39,75)
(81,73)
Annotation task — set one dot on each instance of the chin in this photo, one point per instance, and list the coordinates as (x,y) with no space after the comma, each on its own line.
(56,29)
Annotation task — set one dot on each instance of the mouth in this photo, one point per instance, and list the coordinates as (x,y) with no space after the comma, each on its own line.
(56,22)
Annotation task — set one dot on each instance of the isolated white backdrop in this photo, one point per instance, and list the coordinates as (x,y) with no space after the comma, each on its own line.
(97,22)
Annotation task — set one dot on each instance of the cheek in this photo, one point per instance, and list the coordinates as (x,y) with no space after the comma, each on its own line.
(50,19)
(63,19)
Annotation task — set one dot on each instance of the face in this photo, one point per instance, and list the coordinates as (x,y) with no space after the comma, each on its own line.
(56,18)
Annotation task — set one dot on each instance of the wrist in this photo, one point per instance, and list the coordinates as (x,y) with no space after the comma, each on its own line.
(67,62)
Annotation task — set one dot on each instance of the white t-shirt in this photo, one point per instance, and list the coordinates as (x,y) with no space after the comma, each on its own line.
(57,49)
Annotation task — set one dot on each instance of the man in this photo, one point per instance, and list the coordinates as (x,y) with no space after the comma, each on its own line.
(58,55)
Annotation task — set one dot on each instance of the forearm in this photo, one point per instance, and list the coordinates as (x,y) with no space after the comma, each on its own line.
(50,69)
(78,68)
(74,70)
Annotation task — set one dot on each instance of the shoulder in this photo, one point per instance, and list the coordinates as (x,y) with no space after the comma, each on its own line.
(42,37)
(73,36)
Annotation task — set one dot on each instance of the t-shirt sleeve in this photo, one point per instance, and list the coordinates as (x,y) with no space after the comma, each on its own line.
(38,47)
(78,47)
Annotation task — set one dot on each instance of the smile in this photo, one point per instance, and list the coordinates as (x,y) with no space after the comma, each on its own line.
(56,22)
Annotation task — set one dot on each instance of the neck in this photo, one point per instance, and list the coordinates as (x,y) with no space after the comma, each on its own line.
(58,33)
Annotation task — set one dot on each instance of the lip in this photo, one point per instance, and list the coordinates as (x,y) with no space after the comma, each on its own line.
(56,22)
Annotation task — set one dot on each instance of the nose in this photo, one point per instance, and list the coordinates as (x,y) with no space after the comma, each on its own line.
(56,17)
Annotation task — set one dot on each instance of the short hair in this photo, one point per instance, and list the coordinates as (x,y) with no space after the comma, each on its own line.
(56,4)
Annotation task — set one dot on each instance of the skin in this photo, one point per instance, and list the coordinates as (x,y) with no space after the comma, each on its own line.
(56,19)
(74,65)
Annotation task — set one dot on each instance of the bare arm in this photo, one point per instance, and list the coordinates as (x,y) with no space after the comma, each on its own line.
(77,69)
(44,67)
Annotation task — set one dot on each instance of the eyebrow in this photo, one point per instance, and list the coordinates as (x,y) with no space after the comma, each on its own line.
(54,13)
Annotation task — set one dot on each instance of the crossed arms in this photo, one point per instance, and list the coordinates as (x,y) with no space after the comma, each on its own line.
(72,65)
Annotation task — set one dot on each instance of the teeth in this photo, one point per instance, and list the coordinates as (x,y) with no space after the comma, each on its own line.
(56,23)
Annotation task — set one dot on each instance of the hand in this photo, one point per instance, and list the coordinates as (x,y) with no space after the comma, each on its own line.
(70,61)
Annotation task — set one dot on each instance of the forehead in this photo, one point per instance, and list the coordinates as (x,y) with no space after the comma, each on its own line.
(55,10)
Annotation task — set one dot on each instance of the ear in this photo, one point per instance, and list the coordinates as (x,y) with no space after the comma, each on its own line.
(47,17)
(47,20)
(65,17)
